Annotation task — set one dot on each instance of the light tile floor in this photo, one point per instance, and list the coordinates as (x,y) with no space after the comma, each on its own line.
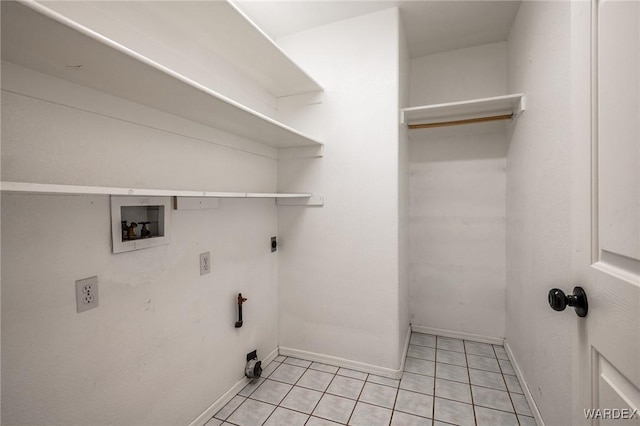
(445,381)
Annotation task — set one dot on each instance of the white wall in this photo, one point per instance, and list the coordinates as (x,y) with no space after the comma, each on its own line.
(162,346)
(113,142)
(457,199)
(538,204)
(339,267)
(458,75)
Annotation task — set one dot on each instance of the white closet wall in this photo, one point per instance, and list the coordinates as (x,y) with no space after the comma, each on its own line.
(457,199)
(539,204)
(339,266)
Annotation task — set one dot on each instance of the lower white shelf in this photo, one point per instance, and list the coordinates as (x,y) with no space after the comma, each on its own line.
(45,188)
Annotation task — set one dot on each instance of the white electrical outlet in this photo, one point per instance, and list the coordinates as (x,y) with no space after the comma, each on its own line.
(87,294)
(205,263)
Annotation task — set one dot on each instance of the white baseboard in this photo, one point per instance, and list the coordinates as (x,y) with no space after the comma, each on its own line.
(525,386)
(342,362)
(458,335)
(347,363)
(228,396)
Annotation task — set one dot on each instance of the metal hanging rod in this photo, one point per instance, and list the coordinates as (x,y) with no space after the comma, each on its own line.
(459,122)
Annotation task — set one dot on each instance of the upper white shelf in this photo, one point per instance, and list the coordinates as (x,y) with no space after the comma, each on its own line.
(38,38)
(43,188)
(464,112)
(249,48)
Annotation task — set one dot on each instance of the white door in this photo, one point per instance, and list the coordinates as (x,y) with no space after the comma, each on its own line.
(606,204)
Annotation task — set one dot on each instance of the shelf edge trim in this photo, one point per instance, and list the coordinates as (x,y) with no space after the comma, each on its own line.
(45,188)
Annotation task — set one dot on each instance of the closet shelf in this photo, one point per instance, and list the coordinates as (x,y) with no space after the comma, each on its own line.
(464,112)
(35,37)
(43,188)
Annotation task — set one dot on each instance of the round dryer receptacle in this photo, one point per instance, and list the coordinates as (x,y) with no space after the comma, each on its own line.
(253,369)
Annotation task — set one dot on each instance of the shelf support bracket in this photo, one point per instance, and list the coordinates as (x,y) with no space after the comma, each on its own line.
(313,201)
(316,151)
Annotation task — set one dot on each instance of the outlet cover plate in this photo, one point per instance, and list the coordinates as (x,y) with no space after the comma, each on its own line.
(87,294)
(205,263)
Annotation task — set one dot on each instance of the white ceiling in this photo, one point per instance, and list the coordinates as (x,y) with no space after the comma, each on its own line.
(431,26)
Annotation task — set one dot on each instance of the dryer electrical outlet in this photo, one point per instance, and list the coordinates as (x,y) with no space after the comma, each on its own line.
(87,294)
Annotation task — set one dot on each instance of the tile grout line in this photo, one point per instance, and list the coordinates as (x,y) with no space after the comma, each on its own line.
(473,405)
(294,385)
(468,368)
(259,386)
(435,373)
(395,400)
(508,393)
(323,393)
(358,400)
(393,410)
(288,392)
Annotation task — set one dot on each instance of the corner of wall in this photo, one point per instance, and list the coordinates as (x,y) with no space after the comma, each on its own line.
(347,250)
(404,62)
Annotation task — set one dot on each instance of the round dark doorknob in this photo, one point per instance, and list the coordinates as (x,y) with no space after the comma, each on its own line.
(578,300)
